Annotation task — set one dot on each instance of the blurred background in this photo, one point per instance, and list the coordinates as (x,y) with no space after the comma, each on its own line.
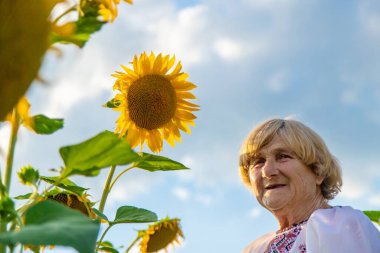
(315,61)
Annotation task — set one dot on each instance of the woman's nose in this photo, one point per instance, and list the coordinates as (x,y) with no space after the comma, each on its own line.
(270,168)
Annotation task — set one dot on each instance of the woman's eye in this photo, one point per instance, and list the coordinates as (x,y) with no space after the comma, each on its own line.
(283,156)
(258,161)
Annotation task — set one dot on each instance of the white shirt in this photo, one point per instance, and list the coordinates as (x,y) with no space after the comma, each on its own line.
(332,230)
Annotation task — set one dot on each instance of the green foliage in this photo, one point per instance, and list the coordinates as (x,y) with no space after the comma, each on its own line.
(87,24)
(45,125)
(50,223)
(100,214)
(26,31)
(103,150)
(131,214)
(28,175)
(154,163)
(113,103)
(7,209)
(65,184)
(373,216)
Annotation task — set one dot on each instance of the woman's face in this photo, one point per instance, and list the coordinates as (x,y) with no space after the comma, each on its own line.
(280,180)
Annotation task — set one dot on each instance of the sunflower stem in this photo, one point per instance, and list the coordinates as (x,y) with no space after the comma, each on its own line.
(11,150)
(107,188)
(133,243)
(8,170)
(102,237)
(120,174)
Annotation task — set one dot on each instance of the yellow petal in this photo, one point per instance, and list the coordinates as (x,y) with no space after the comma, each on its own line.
(186,94)
(184,115)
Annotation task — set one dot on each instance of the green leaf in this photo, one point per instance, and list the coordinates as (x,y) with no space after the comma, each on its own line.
(86,25)
(100,214)
(373,216)
(113,103)
(103,150)
(131,214)
(25,196)
(154,163)
(45,125)
(108,249)
(65,184)
(51,223)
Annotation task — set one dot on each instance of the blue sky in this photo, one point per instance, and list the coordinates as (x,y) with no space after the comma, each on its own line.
(316,61)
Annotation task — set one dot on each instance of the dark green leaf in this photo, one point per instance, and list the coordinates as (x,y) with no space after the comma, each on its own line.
(373,216)
(101,151)
(45,125)
(65,184)
(154,163)
(131,214)
(25,196)
(108,249)
(51,223)
(100,214)
(113,103)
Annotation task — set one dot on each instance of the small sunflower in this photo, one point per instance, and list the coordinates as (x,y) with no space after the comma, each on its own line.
(21,114)
(108,9)
(160,235)
(80,203)
(153,102)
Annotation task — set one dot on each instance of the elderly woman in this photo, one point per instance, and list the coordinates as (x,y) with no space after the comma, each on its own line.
(293,175)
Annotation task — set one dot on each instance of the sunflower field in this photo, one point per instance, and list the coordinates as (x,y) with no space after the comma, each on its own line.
(155,102)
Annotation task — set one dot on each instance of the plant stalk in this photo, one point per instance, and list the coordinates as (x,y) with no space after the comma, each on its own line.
(11,150)
(107,188)
(8,170)
(133,243)
(102,237)
(120,174)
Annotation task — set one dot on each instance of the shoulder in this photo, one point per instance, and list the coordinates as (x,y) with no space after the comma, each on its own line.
(337,214)
(342,224)
(259,245)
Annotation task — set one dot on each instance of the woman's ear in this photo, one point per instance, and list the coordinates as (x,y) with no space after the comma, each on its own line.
(319,179)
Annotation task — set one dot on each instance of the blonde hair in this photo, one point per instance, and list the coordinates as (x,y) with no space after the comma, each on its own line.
(304,142)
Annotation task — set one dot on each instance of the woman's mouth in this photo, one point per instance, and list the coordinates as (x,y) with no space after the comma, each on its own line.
(274,186)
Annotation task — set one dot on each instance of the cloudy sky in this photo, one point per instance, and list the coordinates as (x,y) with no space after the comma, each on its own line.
(315,61)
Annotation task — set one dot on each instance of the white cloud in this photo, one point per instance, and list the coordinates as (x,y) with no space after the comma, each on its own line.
(86,78)
(374,200)
(370,18)
(181,193)
(268,4)
(210,169)
(175,32)
(204,199)
(228,49)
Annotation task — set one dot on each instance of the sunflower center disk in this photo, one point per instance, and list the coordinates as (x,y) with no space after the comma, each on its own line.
(152,101)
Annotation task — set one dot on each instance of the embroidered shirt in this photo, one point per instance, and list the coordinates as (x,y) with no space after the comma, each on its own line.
(331,230)
(284,240)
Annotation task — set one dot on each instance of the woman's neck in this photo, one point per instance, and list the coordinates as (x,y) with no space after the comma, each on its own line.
(291,215)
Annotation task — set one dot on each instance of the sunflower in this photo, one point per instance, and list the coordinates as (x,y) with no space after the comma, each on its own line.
(153,102)
(80,203)
(21,114)
(160,235)
(108,9)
